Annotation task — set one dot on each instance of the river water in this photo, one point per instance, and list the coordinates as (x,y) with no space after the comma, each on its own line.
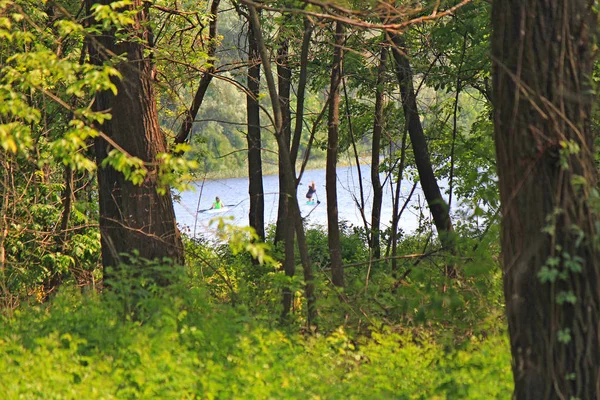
(194,218)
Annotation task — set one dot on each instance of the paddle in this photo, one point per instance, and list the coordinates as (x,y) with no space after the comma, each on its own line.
(225,206)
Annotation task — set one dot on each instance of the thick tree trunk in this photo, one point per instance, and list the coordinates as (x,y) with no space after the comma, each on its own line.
(375,154)
(333,228)
(429,185)
(255,182)
(132,217)
(543,54)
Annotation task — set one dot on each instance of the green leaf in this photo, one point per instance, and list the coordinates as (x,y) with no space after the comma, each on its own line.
(566,297)
(564,335)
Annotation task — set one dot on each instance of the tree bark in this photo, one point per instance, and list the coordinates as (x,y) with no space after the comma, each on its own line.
(207,76)
(289,262)
(429,185)
(543,66)
(301,92)
(284,230)
(375,155)
(284,84)
(333,228)
(289,185)
(132,217)
(284,75)
(255,182)
(396,203)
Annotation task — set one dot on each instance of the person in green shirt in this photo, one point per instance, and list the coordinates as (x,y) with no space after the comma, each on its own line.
(217,204)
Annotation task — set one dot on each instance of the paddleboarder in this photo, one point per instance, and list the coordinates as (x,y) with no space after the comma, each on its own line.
(312,189)
(217,205)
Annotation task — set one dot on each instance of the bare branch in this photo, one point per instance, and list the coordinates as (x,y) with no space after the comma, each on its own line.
(359,22)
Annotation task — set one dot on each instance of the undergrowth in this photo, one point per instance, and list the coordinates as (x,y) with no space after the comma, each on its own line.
(214,332)
(80,347)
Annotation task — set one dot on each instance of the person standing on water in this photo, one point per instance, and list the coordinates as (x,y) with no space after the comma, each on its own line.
(217,205)
(312,189)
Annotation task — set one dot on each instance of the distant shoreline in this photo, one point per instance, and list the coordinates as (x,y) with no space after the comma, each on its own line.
(272,169)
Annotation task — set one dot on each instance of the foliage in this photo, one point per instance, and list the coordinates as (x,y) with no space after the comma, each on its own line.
(188,345)
(47,132)
(148,329)
(352,241)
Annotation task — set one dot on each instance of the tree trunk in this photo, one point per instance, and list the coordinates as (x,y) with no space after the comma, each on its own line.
(56,277)
(360,204)
(309,279)
(288,183)
(284,85)
(207,76)
(255,182)
(289,262)
(396,203)
(429,185)
(132,217)
(5,172)
(455,120)
(301,92)
(284,75)
(333,228)
(375,155)
(543,53)
(67,203)
(285,213)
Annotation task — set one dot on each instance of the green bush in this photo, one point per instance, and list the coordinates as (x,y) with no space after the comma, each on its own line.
(211,330)
(190,347)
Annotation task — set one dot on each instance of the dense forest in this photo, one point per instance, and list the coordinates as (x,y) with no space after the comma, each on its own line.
(110,110)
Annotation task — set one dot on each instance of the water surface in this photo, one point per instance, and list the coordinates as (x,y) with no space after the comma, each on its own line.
(192,215)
